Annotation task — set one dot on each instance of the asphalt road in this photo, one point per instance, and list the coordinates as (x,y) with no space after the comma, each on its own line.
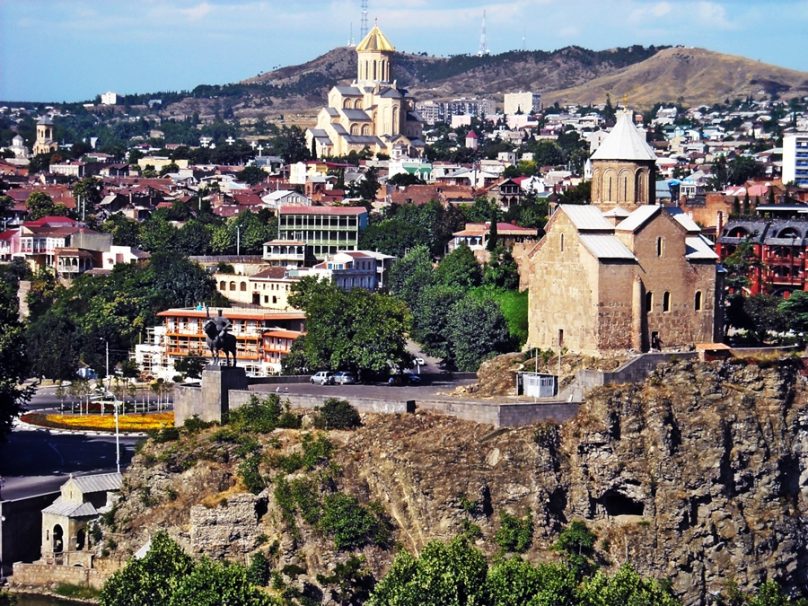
(36,461)
(383,392)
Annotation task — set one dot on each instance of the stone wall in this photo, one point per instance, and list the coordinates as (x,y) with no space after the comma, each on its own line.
(232,529)
(210,402)
(43,575)
(240,397)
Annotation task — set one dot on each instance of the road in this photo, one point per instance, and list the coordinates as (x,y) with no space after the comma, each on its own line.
(36,461)
(430,391)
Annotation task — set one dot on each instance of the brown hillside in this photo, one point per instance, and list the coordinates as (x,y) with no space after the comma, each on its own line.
(693,76)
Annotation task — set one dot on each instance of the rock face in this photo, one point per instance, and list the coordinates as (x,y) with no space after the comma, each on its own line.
(699,475)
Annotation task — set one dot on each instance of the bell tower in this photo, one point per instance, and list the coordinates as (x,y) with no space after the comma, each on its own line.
(373,59)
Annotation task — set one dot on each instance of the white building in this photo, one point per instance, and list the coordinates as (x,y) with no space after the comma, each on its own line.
(795,159)
(109,98)
(522,103)
(351,269)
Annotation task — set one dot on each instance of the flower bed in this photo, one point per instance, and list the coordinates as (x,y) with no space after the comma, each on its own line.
(128,422)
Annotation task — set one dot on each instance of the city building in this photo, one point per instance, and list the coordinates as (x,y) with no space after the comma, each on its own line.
(475,236)
(777,249)
(365,269)
(325,229)
(263,338)
(795,159)
(372,113)
(267,288)
(287,253)
(521,103)
(44,143)
(109,98)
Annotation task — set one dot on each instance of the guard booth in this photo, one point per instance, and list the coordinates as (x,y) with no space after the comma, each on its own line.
(536,385)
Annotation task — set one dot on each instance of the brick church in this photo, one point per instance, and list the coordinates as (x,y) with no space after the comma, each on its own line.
(622,273)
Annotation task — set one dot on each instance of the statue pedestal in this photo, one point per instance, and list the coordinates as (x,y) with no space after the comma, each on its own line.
(211,401)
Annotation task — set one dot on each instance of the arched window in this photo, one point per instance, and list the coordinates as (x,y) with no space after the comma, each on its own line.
(666,301)
(697,301)
(649,302)
(354,129)
(243,287)
(232,286)
(660,246)
(222,285)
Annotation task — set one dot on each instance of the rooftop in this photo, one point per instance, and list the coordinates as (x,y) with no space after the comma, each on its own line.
(624,142)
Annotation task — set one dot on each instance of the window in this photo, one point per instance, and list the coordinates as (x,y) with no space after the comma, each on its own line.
(649,302)
(561,337)
(697,301)
(243,286)
(666,301)
(232,286)
(562,242)
(660,246)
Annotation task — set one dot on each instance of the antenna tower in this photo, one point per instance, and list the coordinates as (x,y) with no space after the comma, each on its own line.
(364,29)
(483,45)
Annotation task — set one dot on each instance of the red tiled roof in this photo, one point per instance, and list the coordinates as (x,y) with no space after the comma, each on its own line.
(270,273)
(323,210)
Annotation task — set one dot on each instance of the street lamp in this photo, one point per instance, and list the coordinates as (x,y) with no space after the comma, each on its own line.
(115,406)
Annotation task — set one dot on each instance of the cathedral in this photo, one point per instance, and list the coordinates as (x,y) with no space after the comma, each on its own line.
(373,112)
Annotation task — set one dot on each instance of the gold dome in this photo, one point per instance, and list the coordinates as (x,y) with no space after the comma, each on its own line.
(375,41)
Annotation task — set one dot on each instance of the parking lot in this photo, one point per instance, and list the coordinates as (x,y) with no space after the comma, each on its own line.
(429,390)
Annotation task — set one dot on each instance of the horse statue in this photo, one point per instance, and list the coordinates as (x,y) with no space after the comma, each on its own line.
(218,339)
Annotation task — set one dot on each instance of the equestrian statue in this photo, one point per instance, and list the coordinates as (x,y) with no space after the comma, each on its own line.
(218,338)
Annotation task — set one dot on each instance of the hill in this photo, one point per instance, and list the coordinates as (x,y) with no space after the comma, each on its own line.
(692,76)
(646,75)
(302,89)
(693,476)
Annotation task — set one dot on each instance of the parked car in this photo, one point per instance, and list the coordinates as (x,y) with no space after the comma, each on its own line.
(322,377)
(405,378)
(344,378)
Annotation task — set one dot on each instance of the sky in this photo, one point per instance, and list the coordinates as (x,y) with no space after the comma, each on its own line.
(72,50)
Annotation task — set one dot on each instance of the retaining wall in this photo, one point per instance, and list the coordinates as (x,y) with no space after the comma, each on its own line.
(43,575)
(240,397)
(21,529)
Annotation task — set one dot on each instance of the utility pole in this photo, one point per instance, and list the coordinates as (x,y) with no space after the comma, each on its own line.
(238,240)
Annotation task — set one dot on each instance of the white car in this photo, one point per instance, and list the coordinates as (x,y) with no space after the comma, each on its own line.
(323,377)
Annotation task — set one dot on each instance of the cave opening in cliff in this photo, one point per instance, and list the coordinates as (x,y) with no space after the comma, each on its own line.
(618,504)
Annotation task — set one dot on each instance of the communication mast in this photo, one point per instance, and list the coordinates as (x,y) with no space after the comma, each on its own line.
(364,27)
(483,44)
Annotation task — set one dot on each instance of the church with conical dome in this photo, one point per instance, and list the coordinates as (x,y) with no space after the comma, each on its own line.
(373,112)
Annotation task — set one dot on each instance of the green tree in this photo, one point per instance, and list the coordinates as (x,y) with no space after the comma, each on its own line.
(576,543)
(350,582)
(39,204)
(193,238)
(514,534)
(430,319)
(459,269)
(367,186)
(501,271)
(476,330)
(493,238)
(515,582)
(350,524)
(794,312)
(125,232)
(357,330)
(190,366)
(13,354)
(87,192)
(53,346)
(764,316)
(213,584)
(410,275)
(624,588)
(445,574)
(151,579)
(252,175)
(157,234)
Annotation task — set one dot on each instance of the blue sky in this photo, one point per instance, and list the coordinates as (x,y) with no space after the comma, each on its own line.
(55,50)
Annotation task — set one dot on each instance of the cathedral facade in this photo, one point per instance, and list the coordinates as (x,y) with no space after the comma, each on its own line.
(373,112)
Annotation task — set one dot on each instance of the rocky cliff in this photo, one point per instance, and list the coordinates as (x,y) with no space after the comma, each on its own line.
(699,475)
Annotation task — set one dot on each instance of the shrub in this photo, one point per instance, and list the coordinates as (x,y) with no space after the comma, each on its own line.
(351,525)
(515,534)
(195,424)
(337,414)
(315,451)
(251,476)
(258,570)
(167,434)
(258,415)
